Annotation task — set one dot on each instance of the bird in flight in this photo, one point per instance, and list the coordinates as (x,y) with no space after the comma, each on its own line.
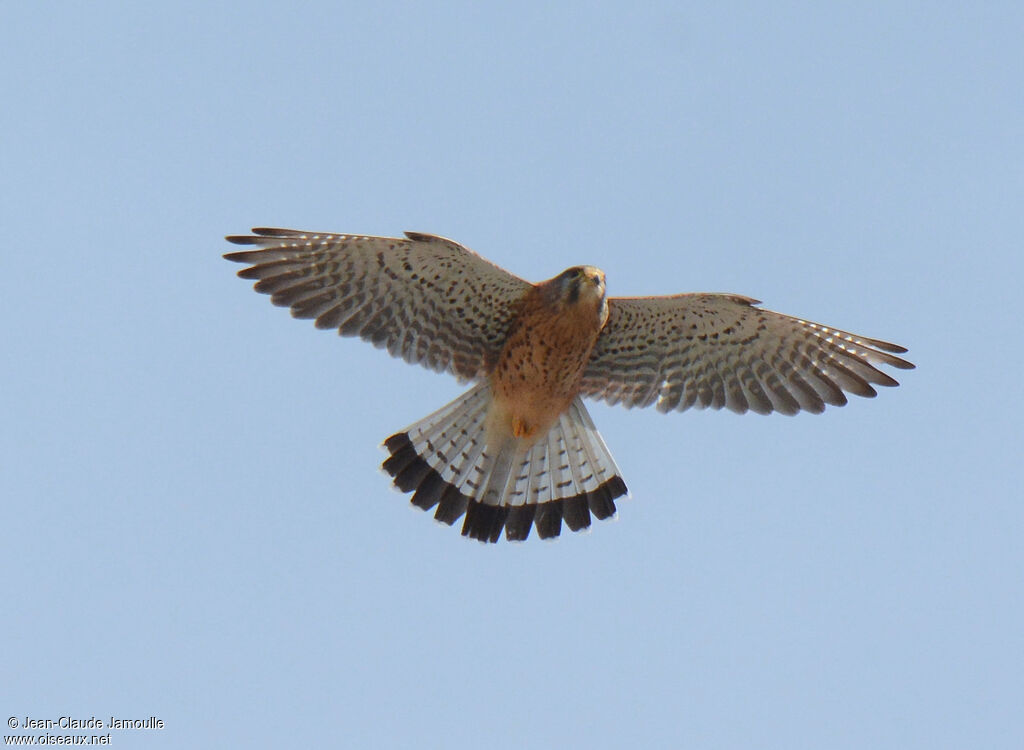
(519,449)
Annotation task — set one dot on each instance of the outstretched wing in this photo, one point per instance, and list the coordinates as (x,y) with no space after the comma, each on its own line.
(426,299)
(715,350)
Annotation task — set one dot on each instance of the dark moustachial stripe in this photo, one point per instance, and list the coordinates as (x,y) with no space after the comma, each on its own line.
(485,522)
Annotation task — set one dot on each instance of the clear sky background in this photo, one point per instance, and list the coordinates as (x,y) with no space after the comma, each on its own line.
(195,527)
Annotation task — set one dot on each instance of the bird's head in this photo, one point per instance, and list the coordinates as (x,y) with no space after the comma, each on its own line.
(581,288)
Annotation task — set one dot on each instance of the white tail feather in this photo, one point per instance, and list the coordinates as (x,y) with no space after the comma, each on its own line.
(445,458)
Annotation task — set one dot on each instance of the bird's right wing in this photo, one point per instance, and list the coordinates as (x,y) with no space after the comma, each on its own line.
(426,299)
(715,350)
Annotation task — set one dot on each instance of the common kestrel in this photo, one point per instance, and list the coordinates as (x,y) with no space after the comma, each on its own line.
(519,448)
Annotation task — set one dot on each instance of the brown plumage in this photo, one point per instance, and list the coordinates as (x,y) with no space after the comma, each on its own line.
(518,449)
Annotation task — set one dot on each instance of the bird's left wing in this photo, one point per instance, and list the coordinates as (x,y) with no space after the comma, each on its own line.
(715,350)
(426,299)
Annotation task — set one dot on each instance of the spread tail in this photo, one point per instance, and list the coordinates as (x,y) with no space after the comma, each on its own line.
(444,460)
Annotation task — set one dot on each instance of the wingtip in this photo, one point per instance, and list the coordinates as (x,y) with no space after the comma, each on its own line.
(276,232)
(887,346)
(893,349)
(419,236)
(260,234)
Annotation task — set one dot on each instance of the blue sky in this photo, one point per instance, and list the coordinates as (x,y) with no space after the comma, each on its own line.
(196,527)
